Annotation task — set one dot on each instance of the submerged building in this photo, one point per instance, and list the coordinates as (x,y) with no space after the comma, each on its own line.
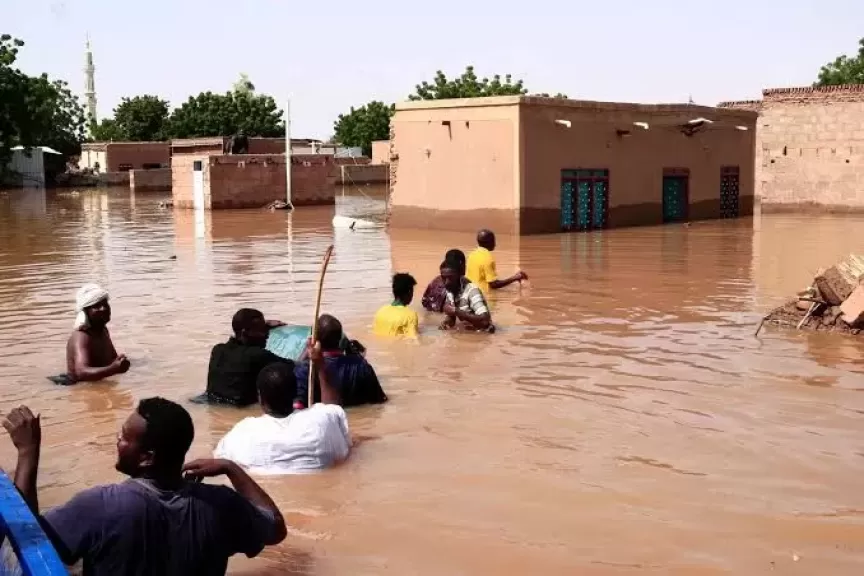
(528,165)
(810,147)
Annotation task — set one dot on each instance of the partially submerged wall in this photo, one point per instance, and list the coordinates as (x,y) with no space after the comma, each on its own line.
(253,180)
(150,180)
(810,148)
(363,173)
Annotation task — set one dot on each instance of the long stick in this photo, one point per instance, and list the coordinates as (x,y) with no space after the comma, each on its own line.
(807,316)
(315,320)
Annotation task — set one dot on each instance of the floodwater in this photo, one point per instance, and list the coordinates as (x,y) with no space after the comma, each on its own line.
(624,419)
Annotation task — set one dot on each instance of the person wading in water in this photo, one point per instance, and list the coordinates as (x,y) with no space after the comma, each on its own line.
(162,520)
(481,269)
(90,353)
(465,306)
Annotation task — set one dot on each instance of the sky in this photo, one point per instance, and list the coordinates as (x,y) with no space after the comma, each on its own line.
(329,56)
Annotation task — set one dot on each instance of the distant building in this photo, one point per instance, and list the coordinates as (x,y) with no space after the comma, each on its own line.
(124,156)
(809,147)
(204,177)
(28,165)
(527,165)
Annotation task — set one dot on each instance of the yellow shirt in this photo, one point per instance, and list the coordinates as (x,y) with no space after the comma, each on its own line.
(395,320)
(480,269)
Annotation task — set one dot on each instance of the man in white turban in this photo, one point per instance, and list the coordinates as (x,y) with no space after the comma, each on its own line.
(90,353)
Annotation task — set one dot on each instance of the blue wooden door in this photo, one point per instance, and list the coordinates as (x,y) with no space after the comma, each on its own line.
(674,198)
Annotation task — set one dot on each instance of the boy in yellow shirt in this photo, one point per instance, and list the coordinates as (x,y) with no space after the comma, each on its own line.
(480,269)
(397,319)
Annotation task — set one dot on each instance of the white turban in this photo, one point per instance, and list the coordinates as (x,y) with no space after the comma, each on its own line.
(88,295)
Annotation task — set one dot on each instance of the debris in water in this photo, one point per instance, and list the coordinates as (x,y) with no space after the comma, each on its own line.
(833,303)
(278,205)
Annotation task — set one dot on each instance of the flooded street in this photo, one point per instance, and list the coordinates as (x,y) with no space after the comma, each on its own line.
(623,420)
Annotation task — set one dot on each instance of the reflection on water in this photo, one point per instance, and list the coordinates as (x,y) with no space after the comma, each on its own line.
(623,420)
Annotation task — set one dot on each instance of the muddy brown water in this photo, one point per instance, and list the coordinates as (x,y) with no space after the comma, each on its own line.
(623,419)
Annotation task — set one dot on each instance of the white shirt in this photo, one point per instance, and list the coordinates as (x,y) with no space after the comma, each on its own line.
(306,441)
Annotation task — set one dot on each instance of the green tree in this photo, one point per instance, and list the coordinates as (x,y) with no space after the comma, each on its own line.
(467,86)
(107,131)
(361,126)
(142,118)
(844,69)
(138,119)
(35,110)
(210,114)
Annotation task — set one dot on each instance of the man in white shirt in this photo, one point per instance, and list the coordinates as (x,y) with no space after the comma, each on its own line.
(286,442)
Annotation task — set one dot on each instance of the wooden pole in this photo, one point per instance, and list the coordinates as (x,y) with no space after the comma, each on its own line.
(315,321)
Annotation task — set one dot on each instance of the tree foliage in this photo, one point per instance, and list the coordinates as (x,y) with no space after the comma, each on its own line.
(210,114)
(467,86)
(244,85)
(559,95)
(138,119)
(34,110)
(844,69)
(361,126)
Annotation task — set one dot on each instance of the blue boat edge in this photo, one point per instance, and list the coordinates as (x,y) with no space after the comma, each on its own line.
(36,556)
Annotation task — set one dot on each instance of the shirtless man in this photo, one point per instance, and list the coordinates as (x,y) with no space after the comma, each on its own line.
(90,354)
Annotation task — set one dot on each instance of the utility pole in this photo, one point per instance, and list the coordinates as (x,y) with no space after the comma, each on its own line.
(288,154)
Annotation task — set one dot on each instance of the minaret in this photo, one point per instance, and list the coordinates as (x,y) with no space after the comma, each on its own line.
(90,85)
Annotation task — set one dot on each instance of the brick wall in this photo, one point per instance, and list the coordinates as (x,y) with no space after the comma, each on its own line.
(181,177)
(313,179)
(136,155)
(363,173)
(752,105)
(253,181)
(810,147)
(150,180)
(266,146)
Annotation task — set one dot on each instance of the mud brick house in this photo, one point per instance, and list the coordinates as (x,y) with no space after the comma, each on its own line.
(125,156)
(809,147)
(526,165)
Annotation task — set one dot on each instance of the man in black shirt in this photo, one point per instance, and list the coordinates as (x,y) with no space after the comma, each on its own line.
(234,365)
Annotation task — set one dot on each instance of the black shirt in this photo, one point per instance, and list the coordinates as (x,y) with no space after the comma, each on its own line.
(234,367)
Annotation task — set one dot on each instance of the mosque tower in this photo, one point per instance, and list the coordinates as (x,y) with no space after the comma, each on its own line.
(90,85)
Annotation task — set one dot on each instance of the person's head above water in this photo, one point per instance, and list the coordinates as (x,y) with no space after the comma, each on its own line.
(403,288)
(249,327)
(329,332)
(486,239)
(92,307)
(456,255)
(451,274)
(277,387)
(154,440)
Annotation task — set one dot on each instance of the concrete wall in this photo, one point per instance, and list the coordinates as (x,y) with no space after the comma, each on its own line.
(456,164)
(497,162)
(810,148)
(381,152)
(150,180)
(635,159)
(113,178)
(363,173)
(119,155)
(253,181)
